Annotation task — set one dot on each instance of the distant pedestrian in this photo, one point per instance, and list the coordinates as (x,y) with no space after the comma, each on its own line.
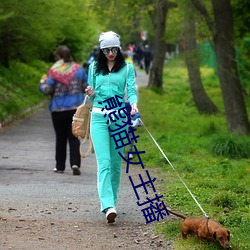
(138,55)
(108,78)
(65,84)
(93,55)
(147,54)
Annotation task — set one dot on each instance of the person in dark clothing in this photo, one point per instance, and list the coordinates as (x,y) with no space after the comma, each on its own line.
(147,54)
(138,55)
(65,83)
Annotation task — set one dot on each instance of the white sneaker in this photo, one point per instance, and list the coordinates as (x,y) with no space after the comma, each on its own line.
(58,171)
(111,214)
(130,156)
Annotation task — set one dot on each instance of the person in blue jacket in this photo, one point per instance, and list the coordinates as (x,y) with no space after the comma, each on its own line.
(108,77)
(65,83)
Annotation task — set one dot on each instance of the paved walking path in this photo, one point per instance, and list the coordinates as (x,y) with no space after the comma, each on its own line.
(26,163)
(40,209)
(27,158)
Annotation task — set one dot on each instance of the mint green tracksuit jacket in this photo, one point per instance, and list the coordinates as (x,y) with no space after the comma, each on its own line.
(109,162)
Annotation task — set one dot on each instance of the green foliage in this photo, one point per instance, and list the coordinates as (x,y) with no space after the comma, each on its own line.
(29,33)
(243,60)
(219,183)
(242,37)
(241,17)
(175,28)
(128,18)
(175,24)
(231,146)
(19,87)
(224,200)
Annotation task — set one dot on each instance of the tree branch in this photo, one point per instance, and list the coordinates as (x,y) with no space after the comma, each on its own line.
(202,9)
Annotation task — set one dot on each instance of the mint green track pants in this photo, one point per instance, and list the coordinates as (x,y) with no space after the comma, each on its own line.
(109,162)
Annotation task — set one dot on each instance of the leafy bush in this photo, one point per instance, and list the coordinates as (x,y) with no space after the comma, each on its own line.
(231,146)
(223,200)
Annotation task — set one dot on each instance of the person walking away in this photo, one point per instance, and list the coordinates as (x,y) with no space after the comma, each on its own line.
(139,56)
(108,78)
(65,84)
(147,54)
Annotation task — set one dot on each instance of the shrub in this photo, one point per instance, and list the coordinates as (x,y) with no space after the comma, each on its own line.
(231,146)
(224,200)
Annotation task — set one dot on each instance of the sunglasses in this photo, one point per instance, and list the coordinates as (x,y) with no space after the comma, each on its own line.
(106,51)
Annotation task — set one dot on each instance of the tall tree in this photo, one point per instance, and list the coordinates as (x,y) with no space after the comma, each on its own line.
(201,99)
(159,44)
(223,38)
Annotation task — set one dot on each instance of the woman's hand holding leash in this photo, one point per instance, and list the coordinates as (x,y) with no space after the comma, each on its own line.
(90,91)
(134,109)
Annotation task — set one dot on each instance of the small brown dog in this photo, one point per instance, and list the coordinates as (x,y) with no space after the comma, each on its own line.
(205,229)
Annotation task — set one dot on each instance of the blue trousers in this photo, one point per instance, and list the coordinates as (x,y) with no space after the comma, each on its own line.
(109,162)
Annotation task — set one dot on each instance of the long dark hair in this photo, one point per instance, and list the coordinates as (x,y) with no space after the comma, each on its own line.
(101,63)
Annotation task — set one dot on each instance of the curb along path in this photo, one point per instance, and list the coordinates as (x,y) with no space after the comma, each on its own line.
(40,209)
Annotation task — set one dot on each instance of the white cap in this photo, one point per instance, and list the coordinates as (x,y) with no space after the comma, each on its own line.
(109,39)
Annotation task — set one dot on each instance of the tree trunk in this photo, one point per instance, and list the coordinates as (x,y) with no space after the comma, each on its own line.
(235,109)
(159,46)
(201,99)
(223,38)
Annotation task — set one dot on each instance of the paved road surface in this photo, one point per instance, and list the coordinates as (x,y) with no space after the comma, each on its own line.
(40,209)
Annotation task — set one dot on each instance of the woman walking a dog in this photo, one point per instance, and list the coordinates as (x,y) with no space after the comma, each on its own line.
(108,78)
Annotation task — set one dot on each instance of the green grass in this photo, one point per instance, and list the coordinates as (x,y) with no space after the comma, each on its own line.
(19,87)
(214,164)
